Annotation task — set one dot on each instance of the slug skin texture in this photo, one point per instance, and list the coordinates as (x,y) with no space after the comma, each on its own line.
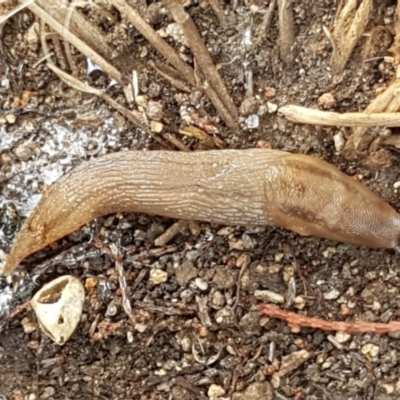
(231,187)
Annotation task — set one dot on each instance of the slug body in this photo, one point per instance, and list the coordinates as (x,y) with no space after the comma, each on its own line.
(233,187)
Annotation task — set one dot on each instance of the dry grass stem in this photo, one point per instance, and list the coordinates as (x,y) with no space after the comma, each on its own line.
(347,29)
(218,11)
(266,22)
(172,76)
(201,53)
(395,47)
(205,139)
(286,30)
(78,25)
(79,44)
(15,10)
(310,116)
(174,141)
(386,102)
(299,320)
(172,57)
(155,40)
(78,85)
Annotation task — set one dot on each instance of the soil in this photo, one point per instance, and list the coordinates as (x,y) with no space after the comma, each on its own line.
(198,334)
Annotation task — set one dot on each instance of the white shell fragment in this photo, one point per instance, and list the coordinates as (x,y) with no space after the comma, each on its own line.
(58,307)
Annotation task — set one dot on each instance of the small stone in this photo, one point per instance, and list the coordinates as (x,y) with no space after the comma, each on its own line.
(374,351)
(25,151)
(185,273)
(215,391)
(225,278)
(269,296)
(156,126)
(299,302)
(342,337)
(339,141)
(272,107)
(218,299)
(201,284)
(329,251)
(158,276)
(331,295)
(255,391)
(91,283)
(366,348)
(269,92)
(252,121)
(47,392)
(140,327)
(326,365)
(11,118)
(249,106)
(389,388)
(326,100)
(141,100)
(28,326)
(129,337)
(276,381)
(154,110)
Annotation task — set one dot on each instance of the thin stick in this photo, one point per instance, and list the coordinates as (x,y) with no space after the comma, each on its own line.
(81,46)
(155,40)
(388,102)
(170,233)
(79,26)
(218,11)
(310,116)
(347,31)
(317,323)
(286,30)
(15,10)
(78,85)
(177,143)
(173,58)
(266,22)
(201,53)
(172,76)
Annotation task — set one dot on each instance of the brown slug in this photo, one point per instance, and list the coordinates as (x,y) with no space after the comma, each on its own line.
(233,187)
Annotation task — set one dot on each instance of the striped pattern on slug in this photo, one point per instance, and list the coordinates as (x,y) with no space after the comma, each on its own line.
(233,187)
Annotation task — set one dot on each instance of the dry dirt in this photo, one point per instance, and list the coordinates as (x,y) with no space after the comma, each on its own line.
(194,330)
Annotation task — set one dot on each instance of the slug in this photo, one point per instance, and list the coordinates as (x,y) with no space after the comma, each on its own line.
(233,187)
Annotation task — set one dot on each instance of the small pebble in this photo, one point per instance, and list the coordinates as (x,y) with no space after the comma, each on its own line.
(342,337)
(331,295)
(201,284)
(215,391)
(269,296)
(158,276)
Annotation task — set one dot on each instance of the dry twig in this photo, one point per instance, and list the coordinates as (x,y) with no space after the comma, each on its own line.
(266,22)
(311,116)
(318,323)
(386,102)
(201,53)
(79,44)
(172,57)
(347,30)
(286,30)
(78,85)
(170,233)
(218,11)
(15,10)
(78,24)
